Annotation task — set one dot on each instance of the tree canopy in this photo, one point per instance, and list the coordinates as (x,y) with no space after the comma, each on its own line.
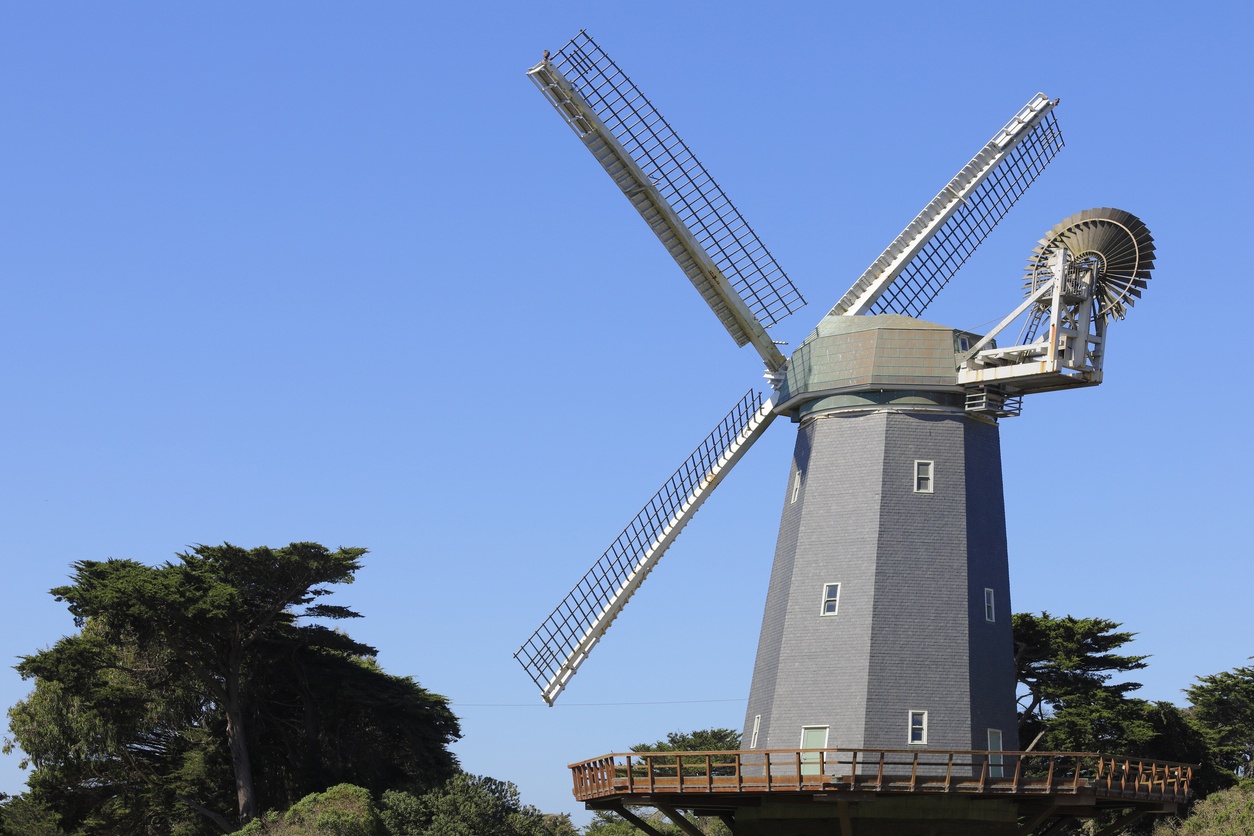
(1069,703)
(192,697)
(1223,707)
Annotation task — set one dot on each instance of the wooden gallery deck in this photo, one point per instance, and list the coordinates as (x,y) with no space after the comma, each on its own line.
(862,792)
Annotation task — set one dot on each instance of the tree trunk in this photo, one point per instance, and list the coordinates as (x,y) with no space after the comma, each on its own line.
(239,750)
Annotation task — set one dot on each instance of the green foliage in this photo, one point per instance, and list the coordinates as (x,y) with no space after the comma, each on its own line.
(702,740)
(1223,709)
(611,824)
(1066,666)
(343,810)
(1229,812)
(469,805)
(28,816)
(188,679)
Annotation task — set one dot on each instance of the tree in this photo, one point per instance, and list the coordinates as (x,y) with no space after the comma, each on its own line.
(185,677)
(1065,666)
(1223,710)
(469,805)
(24,816)
(703,740)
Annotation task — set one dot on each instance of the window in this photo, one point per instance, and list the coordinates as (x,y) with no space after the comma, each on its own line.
(757,721)
(813,737)
(990,611)
(831,598)
(923,476)
(796,487)
(995,763)
(918,727)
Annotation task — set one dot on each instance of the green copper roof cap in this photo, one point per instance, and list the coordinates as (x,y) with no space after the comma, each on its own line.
(885,353)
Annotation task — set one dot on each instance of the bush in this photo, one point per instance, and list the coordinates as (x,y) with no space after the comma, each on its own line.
(343,810)
(1229,812)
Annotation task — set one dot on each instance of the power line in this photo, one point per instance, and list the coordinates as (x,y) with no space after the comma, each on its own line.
(583,704)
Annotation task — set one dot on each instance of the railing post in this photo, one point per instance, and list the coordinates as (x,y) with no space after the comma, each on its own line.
(949,771)
(879,778)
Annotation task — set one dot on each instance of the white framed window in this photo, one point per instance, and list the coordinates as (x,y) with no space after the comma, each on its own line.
(796,487)
(831,599)
(918,728)
(990,606)
(813,737)
(753,739)
(996,766)
(924,475)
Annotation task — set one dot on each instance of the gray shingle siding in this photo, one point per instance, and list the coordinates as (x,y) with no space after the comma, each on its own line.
(910,633)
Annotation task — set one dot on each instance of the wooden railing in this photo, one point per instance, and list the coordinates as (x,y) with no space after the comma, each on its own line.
(881,770)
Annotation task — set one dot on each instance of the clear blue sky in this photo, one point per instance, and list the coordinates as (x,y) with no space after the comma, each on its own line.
(336,272)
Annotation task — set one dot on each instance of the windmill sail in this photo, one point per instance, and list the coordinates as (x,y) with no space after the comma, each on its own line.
(672,191)
(559,646)
(919,263)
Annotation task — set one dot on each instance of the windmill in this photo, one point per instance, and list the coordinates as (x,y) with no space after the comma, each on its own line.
(887,613)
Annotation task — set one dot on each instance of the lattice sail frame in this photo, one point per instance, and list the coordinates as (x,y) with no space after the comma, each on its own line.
(929,251)
(692,216)
(559,646)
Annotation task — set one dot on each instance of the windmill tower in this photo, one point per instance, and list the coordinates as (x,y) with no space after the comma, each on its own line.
(887,615)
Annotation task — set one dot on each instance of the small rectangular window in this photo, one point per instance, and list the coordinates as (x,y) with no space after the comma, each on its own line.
(753,740)
(923,476)
(831,598)
(796,486)
(990,610)
(918,727)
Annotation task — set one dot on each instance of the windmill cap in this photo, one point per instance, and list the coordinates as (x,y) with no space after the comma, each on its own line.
(881,359)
